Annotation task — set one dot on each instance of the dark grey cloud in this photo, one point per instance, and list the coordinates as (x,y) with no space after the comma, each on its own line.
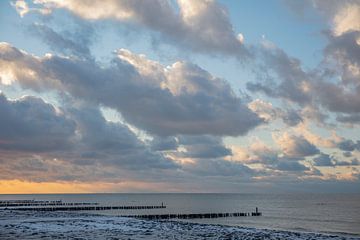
(291,166)
(349,145)
(164,143)
(77,135)
(349,118)
(323,160)
(203,147)
(353,162)
(198,103)
(30,124)
(347,154)
(99,134)
(291,117)
(304,148)
(112,143)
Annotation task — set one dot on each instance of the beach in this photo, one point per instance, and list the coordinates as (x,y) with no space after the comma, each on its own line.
(179,119)
(75,225)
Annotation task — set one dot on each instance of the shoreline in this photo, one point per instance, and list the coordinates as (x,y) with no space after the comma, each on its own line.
(65,225)
(298,230)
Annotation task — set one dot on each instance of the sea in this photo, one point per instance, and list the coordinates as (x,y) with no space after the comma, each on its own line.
(320,213)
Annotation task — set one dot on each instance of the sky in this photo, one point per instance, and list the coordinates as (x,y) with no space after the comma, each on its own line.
(179,96)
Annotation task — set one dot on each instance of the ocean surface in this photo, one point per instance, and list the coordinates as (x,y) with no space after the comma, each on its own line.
(324,213)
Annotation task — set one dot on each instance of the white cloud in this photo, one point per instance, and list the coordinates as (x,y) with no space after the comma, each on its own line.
(347,19)
(22,8)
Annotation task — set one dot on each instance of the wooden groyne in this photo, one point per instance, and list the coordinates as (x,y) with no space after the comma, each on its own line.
(28,203)
(81,208)
(193,215)
(58,205)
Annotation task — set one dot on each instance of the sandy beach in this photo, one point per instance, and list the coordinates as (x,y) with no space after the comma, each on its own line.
(67,225)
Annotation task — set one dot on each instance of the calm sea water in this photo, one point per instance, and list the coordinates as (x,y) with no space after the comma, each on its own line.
(330,213)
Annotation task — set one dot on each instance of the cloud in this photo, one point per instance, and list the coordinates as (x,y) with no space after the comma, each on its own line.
(164,143)
(74,43)
(141,90)
(222,168)
(263,154)
(353,162)
(316,139)
(323,160)
(347,154)
(349,145)
(292,166)
(17,65)
(203,147)
(291,117)
(334,84)
(295,146)
(342,59)
(281,76)
(98,134)
(183,110)
(265,110)
(22,8)
(349,118)
(30,124)
(269,113)
(344,16)
(272,161)
(39,142)
(112,143)
(192,23)
(347,19)
(197,25)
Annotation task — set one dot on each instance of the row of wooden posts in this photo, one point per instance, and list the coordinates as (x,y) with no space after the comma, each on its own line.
(32,205)
(193,215)
(82,208)
(50,203)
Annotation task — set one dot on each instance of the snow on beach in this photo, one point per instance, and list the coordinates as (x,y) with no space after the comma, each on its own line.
(73,225)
